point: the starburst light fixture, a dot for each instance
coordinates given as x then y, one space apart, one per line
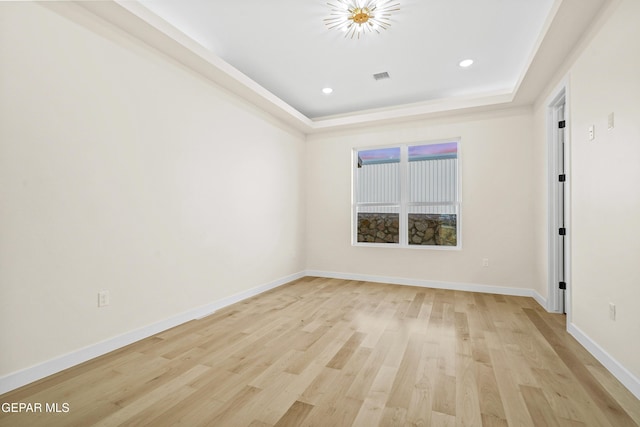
355 17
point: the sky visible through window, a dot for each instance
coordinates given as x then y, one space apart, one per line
446 150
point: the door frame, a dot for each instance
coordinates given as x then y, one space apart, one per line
555 301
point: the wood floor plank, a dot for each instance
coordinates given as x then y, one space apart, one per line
319 352
419 412
341 415
623 396
321 385
600 396
404 382
159 397
373 406
233 406
491 406
393 417
442 420
416 306
323 350
342 356
444 401
295 415
539 408
467 398
362 384
515 408
566 401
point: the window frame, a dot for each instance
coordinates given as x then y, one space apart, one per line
404 203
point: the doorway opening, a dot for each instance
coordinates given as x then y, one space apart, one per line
558 181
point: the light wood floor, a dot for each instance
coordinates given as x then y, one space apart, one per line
329 352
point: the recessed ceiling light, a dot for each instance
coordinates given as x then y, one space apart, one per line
466 63
327 90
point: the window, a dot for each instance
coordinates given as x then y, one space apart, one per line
407 195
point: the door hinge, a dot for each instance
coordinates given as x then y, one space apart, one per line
562 231
562 178
562 124
562 285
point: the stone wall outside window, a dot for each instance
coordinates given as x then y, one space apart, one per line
424 229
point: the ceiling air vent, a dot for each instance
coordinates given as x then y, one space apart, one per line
381 76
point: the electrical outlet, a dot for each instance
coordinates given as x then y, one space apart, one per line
103 298
485 262
610 121
592 132
612 311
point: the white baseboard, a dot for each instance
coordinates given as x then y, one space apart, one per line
469 287
42 370
50 367
629 380
540 299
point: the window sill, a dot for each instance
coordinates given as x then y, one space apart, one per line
399 246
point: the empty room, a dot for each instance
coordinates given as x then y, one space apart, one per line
320 213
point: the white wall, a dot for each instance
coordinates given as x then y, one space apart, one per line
122 170
539 198
602 76
605 187
497 213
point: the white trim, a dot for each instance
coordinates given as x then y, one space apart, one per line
404 203
28 375
630 381
539 299
560 95
468 287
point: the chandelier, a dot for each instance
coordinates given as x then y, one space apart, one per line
355 17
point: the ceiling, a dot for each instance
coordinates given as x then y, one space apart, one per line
279 54
285 46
